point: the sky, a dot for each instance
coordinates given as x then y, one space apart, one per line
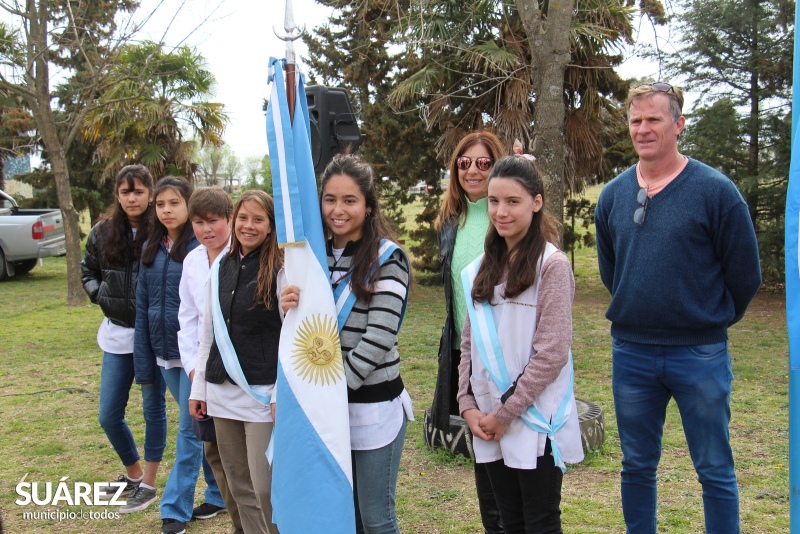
237 42
238 39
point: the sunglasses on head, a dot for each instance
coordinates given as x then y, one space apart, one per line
482 163
660 86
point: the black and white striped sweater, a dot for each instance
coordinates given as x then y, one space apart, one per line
369 336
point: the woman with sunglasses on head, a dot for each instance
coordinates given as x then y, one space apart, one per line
110 269
461 228
364 260
516 377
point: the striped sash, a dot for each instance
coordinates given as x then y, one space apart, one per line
343 294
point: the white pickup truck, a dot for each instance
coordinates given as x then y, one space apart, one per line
27 235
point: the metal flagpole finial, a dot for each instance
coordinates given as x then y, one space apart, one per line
293 32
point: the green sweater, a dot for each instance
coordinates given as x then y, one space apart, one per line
469 245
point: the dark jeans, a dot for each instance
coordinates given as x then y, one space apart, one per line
529 499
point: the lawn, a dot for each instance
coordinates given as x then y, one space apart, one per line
49 382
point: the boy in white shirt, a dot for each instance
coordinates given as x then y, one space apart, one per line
210 210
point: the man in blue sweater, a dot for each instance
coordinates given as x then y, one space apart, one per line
678 253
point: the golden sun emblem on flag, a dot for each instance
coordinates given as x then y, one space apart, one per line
317 353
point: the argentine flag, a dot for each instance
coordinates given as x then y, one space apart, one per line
792 258
312 481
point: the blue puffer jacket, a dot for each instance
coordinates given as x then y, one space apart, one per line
157 300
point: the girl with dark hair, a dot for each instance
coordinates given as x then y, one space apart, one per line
365 261
110 269
461 229
237 361
516 377
157 355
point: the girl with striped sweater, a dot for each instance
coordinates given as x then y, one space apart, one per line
362 253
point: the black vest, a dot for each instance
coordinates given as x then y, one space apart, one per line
254 330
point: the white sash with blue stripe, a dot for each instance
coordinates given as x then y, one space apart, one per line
343 294
223 339
541 417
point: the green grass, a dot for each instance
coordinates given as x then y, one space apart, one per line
49 381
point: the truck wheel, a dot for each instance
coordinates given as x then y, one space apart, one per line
24 267
3 270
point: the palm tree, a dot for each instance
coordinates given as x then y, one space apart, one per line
479 71
154 97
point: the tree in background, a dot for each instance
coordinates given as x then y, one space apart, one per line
16 124
81 40
209 163
259 173
232 168
136 124
484 67
738 54
357 50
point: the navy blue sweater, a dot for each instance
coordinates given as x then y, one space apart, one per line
689 271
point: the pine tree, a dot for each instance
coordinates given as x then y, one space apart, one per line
738 54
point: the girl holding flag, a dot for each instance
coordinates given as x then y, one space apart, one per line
370 278
515 376
238 357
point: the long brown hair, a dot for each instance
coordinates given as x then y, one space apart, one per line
376 226
117 249
520 264
270 259
455 206
178 251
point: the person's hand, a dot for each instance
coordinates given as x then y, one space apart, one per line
290 296
492 427
197 409
473 418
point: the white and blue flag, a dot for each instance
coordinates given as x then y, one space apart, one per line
792 258
312 482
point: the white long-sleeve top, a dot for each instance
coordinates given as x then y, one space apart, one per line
192 291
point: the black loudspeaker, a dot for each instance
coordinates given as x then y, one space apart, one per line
333 124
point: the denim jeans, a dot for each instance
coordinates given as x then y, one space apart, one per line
529 500
116 379
698 377
375 484
177 499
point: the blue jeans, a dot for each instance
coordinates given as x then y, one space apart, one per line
116 379
698 377
177 500
375 484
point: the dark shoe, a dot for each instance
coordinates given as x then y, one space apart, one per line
130 487
207 511
140 499
172 526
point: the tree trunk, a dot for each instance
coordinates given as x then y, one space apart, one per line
39 81
548 38
753 126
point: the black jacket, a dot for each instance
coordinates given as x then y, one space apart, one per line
444 400
113 287
254 330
